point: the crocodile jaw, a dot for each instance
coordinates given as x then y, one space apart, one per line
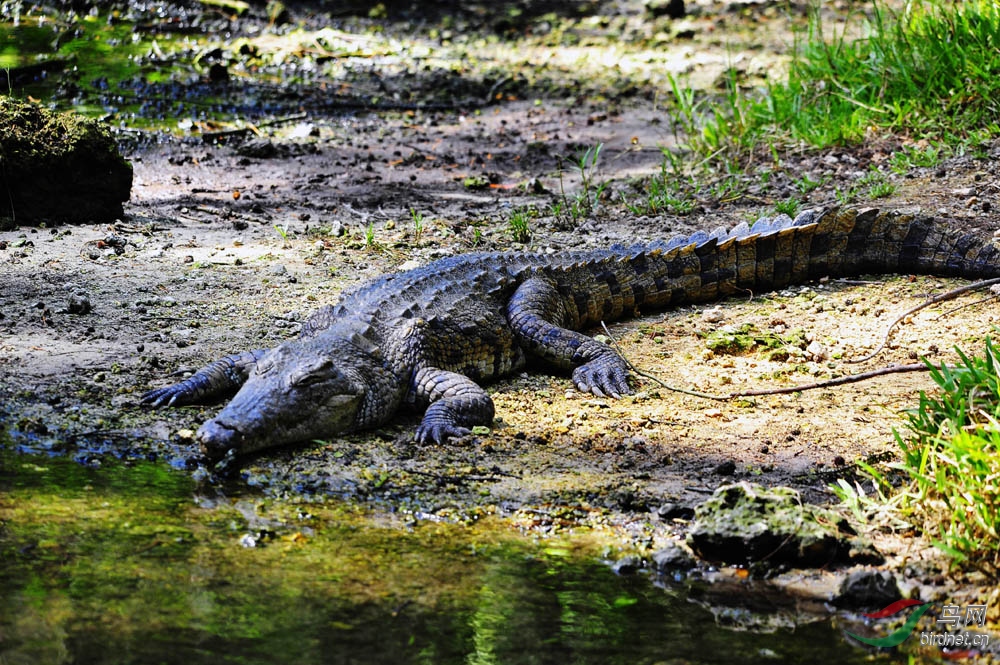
244 427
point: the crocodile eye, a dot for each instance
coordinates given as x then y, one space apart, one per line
311 375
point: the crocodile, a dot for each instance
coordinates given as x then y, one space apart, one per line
428 337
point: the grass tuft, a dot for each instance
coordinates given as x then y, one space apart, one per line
930 70
951 455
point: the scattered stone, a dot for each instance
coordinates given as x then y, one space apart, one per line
726 468
303 130
744 523
669 8
410 265
628 565
867 588
671 510
279 269
79 303
261 148
671 558
963 192
58 167
713 315
816 352
248 540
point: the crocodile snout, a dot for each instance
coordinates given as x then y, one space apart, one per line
217 439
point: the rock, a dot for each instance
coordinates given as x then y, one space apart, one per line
816 351
261 148
744 523
671 558
58 168
671 8
671 510
726 468
79 303
713 315
868 588
628 565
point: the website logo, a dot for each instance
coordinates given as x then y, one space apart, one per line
951 616
898 636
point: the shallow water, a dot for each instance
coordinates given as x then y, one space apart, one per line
135 563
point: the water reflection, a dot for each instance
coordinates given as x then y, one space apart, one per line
120 565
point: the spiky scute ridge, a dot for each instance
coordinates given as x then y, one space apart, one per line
441 328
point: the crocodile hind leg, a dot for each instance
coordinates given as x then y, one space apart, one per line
457 403
535 312
219 378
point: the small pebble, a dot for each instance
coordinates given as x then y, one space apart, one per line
714 315
816 351
726 468
79 303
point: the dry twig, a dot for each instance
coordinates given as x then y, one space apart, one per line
839 381
947 295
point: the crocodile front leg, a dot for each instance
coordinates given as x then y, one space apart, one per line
457 403
219 378
535 312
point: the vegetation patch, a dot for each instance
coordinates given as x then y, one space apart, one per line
951 463
749 524
839 89
748 337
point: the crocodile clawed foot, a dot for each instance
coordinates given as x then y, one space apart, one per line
166 396
439 433
604 378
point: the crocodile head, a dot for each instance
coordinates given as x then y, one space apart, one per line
300 391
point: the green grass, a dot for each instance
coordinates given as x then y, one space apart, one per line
951 459
872 185
585 202
418 224
932 71
910 157
788 207
519 226
660 194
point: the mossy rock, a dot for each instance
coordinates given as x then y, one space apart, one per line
750 524
58 167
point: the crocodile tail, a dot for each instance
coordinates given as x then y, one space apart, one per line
848 241
774 253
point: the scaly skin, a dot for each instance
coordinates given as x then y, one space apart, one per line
430 335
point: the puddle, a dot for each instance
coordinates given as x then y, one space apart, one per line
136 563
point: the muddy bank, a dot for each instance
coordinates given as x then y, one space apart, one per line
220 252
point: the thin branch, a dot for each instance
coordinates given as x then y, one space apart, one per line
947 295
839 381
969 304
829 383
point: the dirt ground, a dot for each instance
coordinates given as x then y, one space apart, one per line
230 246
221 252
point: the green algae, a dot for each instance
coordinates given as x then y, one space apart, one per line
772 526
58 167
748 337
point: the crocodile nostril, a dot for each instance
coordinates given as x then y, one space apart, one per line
218 438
